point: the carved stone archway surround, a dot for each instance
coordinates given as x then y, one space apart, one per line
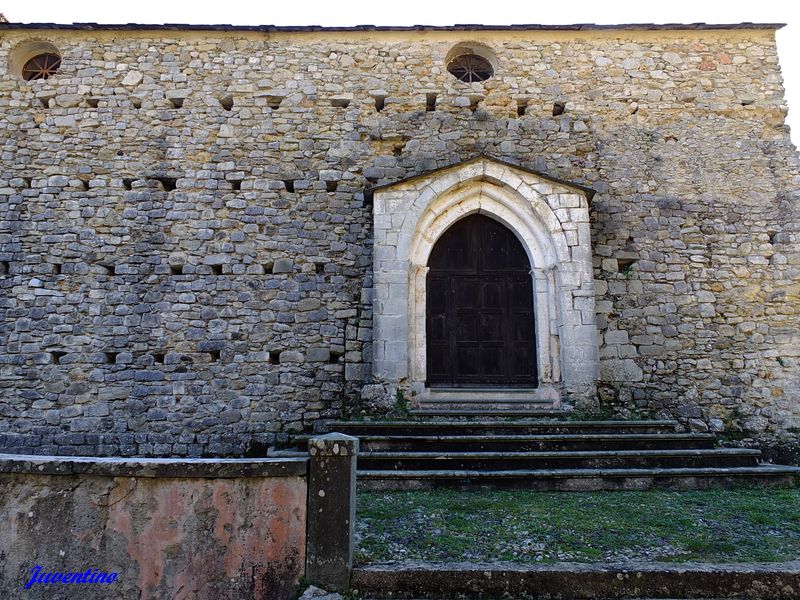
551 220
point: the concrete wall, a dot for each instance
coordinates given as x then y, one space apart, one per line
190 529
229 311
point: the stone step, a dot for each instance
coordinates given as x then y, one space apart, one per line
580 479
485 399
534 443
496 427
631 580
487 407
489 411
486 394
508 461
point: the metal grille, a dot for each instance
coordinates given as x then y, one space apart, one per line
41 66
470 67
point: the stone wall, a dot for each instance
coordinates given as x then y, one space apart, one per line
188 528
186 241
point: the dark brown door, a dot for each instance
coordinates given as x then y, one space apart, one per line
480 327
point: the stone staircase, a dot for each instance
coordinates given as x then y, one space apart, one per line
481 402
540 449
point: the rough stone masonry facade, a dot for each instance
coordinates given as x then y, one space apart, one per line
187 228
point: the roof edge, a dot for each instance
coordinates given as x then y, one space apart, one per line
590 192
388 28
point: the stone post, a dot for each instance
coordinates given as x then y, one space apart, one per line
331 510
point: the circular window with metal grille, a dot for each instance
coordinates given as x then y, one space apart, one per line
41 66
470 67
34 59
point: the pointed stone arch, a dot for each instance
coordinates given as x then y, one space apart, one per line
550 219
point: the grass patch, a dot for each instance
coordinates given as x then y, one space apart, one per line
743 525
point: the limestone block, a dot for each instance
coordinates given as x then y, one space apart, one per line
610 265
389 370
283 265
132 78
318 354
614 336
625 370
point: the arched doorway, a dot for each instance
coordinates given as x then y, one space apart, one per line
479 313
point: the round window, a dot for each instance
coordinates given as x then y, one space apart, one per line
41 66
471 61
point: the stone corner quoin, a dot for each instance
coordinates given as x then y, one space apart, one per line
210 240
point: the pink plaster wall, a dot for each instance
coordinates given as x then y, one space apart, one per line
170 538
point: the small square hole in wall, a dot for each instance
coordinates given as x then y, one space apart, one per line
559 108
625 265
45 102
368 199
236 185
380 103
319 268
226 102
127 183
330 186
274 357
85 185
289 185
28 181
5 267
176 269
334 357
268 267
474 102
214 355
92 102
109 269
167 183
111 357
176 102
274 102
158 358
522 107
136 103
216 269
340 102
430 102
57 356
56 268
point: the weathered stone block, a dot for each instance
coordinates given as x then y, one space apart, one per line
620 370
332 501
283 265
318 355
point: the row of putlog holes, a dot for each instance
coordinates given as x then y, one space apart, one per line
274 102
170 184
175 269
226 102
474 104
214 356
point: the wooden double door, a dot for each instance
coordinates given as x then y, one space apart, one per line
479 314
